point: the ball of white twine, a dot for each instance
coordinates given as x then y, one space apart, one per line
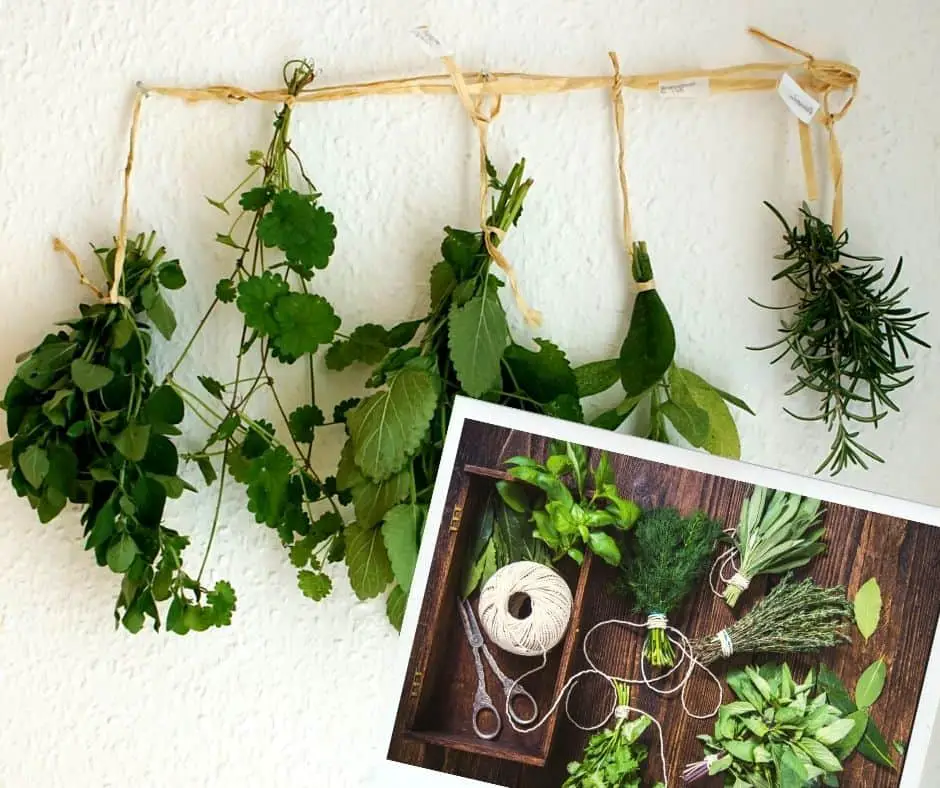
544 626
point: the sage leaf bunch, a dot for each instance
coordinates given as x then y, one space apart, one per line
777 531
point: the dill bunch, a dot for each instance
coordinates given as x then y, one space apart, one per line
847 336
669 553
793 617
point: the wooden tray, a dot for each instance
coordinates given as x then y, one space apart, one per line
438 695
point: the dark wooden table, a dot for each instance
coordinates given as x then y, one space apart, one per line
904 556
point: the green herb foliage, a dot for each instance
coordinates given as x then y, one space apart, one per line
793 617
777 734
669 553
570 522
846 336
89 426
614 757
777 531
647 371
868 607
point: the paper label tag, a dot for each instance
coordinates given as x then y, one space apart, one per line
697 87
798 101
431 43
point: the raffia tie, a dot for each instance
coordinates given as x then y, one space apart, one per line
822 78
481 121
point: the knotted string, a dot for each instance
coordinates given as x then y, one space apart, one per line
728 559
822 78
481 120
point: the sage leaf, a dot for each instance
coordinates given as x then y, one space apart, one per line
370 571
395 607
90 377
868 608
400 532
388 427
871 684
478 335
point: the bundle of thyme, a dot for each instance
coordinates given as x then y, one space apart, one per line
846 335
670 552
793 617
774 535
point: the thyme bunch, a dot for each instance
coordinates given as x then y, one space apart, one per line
847 337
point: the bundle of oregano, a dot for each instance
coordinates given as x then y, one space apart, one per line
567 524
793 617
778 734
846 336
669 553
613 758
777 531
89 426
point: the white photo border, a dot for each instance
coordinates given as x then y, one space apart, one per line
394 774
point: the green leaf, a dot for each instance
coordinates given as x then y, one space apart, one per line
44 363
304 322
122 332
736 401
834 732
225 291
400 532
874 747
90 377
6 455
121 554
314 585
370 571
460 248
513 496
395 607
871 684
868 608
371 500
303 231
367 344
207 469
597 376
257 198
303 421
220 206
793 772
34 463
165 406
604 546
171 275
847 745
687 388
443 282
544 375
221 604
388 427
161 316
226 240
132 441
478 335
256 298
403 333
835 690
268 483
691 422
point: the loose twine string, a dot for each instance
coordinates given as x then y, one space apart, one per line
818 77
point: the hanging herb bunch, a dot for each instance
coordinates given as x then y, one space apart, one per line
792 618
647 372
777 531
848 336
89 426
668 553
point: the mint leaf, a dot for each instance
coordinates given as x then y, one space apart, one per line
544 375
314 585
368 344
460 248
369 569
90 377
443 281
400 532
478 335
395 607
388 427
257 296
372 500
303 231
304 322
303 421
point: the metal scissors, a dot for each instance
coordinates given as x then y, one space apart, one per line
482 701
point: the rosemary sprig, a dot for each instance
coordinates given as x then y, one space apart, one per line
847 335
793 617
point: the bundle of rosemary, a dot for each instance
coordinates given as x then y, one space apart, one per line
774 534
793 617
846 334
669 553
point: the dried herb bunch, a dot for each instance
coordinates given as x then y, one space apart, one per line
847 337
793 617
669 553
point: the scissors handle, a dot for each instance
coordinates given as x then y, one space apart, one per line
514 691
483 703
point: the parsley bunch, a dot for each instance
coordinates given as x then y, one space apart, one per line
89 426
845 337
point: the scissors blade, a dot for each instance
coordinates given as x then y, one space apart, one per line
472 622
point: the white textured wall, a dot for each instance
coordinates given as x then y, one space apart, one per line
286 696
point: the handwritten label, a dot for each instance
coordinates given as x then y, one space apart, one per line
798 101
431 43
697 87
